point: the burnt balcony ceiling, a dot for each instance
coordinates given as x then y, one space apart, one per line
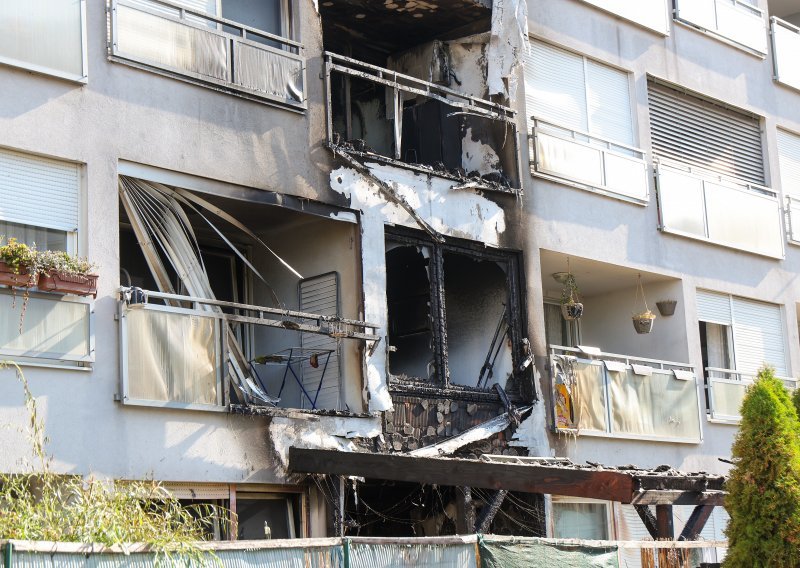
372 29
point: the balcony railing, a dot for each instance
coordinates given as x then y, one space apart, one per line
588 161
793 219
206 49
705 206
734 20
53 328
604 394
183 352
726 389
785 47
652 14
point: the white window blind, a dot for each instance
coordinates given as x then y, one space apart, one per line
699 132
320 295
758 336
39 191
577 93
789 157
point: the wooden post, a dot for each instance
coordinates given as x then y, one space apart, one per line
465 511
664 524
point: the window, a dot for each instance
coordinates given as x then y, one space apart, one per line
789 158
239 45
559 331
47 36
652 14
737 337
582 125
738 21
28 181
451 309
710 172
581 519
53 327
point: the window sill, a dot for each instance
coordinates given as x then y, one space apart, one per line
45 71
59 365
125 401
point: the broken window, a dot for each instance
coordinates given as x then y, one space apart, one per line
213 315
455 314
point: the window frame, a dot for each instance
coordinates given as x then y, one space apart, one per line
551 501
42 70
438 313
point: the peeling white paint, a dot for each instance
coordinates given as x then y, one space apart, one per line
531 433
478 156
460 214
320 433
509 39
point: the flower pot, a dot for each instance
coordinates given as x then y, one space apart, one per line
643 323
62 283
666 307
10 278
572 310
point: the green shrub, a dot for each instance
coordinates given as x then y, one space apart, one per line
42 505
764 486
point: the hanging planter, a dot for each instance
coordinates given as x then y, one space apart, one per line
643 319
571 308
666 307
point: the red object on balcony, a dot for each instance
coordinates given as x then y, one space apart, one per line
77 284
10 278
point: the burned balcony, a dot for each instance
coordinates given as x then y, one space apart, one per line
206 48
214 314
376 114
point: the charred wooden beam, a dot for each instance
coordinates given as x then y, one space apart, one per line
665 528
490 510
697 520
465 511
670 497
602 484
648 518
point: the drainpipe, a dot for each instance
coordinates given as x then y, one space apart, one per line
8 552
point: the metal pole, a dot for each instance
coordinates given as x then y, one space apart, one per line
8 553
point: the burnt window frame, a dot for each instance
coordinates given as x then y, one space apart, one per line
438 309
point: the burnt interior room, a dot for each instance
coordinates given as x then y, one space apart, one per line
372 31
451 316
389 508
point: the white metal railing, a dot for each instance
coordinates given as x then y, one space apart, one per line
735 20
734 213
176 351
785 47
51 327
597 163
652 14
726 389
204 48
606 394
793 218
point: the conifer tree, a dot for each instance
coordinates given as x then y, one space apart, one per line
764 486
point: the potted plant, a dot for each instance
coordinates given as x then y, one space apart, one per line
64 273
16 260
642 319
571 308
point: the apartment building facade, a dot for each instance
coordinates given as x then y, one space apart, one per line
345 226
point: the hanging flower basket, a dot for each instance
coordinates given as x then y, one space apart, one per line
63 283
20 279
572 310
643 322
